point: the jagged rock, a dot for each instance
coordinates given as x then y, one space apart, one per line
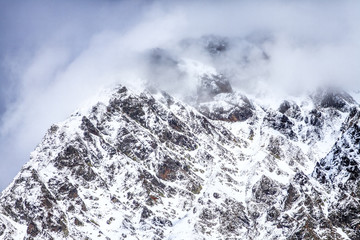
281 123
212 85
333 98
147 166
266 190
290 109
339 172
218 102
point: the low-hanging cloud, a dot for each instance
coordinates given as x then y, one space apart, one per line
55 55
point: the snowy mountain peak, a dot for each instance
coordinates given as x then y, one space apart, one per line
146 165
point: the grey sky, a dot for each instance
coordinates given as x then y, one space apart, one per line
56 54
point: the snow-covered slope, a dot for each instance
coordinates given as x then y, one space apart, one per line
146 166
218 165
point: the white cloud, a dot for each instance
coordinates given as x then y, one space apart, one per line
58 53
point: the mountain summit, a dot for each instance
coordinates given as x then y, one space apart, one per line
147 166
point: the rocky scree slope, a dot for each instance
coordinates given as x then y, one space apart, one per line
146 166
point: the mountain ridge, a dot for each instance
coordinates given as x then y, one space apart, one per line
146 165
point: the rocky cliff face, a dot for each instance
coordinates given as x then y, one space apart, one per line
146 166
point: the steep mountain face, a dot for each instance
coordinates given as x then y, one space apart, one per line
221 165
339 173
146 166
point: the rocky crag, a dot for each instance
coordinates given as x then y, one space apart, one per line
147 166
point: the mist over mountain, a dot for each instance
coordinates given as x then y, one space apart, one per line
241 111
55 55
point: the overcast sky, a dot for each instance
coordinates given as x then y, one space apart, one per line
54 55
